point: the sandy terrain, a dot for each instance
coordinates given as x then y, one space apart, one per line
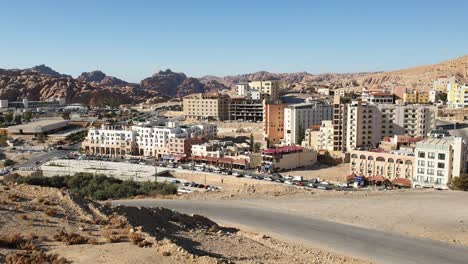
334 174
120 234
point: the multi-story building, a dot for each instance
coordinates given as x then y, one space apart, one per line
368 124
268 90
340 113
311 138
289 157
440 84
210 106
438 160
377 97
323 91
299 117
399 91
377 162
244 109
433 94
416 97
325 140
154 139
457 95
273 122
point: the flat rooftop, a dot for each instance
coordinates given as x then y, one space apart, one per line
41 125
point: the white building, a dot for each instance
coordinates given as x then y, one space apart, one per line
433 96
438 160
299 117
147 139
325 140
323 91
259 90
367 124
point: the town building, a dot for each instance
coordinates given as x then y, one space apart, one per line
273 122
289 157
208 106
324 91
41 126
377 97
244 109
158 139
457 95
416 97
299 117
439 160
225 154
399 91
367 124
433 94
340 113
325 140
377 162
25 103
311 138
441 83
259 90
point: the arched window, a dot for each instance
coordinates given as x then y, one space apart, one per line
370 158
399 161
354 156
390 160
362 157
380 159
408 162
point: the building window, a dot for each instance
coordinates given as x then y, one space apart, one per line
430 164
421 154
441 165
431 155
421 163
441 156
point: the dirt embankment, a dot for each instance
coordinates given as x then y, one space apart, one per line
60 227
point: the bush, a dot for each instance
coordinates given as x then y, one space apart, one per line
70 238
33 256
459 183
101 187
8 163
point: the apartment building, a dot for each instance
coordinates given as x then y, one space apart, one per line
440 84
416 97
268 90
433 94
457 95
153 139
209 106
25 103
377 162
299 117
245 109
340 114
367 124
325 140
438 160
273 122
324 91
311 138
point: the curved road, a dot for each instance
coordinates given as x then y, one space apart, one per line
378 246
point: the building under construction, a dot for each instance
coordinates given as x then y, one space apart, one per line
242 109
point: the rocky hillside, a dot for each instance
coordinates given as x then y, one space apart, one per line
418 77
101 78
96 88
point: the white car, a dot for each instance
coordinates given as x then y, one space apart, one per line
235 174
289 182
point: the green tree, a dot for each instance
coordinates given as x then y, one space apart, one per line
18 119
27 116
8 163
459 183
66 115
257 146
251 143
442 97
9 117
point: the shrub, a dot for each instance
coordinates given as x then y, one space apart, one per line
11 241
101 187
8 163
34 256
70 238
459 183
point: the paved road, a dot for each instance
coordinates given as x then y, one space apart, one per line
381 247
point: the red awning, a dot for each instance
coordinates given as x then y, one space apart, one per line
377 178
402 182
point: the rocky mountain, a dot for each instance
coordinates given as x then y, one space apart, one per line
101 78
45 70
418 77
96 88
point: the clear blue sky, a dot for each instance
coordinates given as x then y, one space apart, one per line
133 39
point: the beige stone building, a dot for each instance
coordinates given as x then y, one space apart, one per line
268 90
389 165
213 106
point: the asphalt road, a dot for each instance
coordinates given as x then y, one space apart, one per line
378 246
